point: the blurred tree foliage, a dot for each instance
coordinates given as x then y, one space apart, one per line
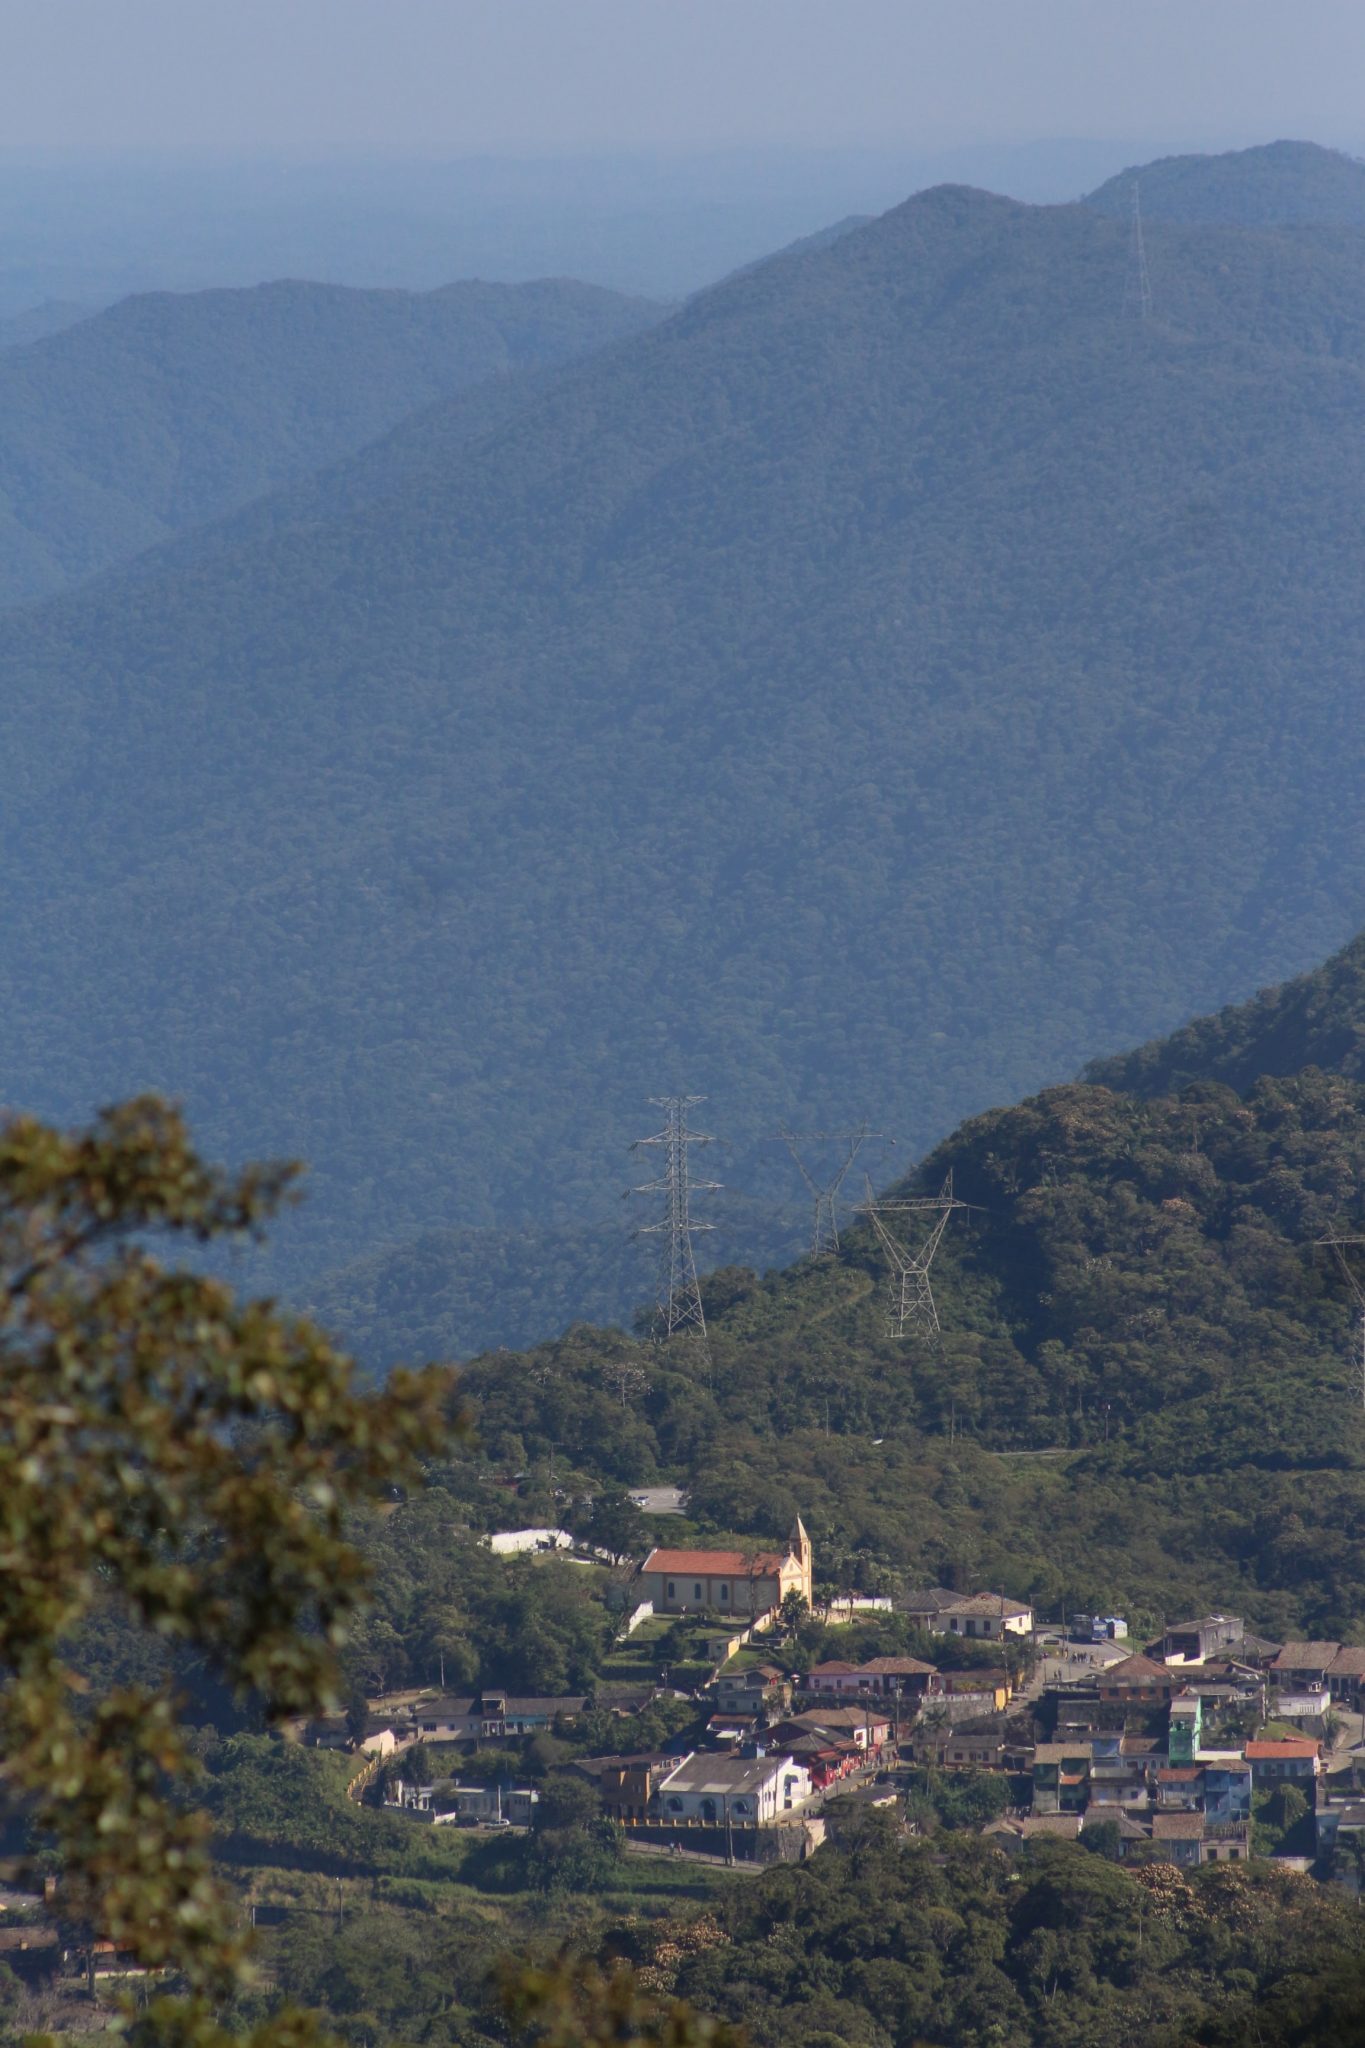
188 1459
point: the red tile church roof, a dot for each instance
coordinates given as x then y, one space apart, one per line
714 1564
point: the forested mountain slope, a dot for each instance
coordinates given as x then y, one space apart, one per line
167 410
1279 184
1135 1291
1318 1020
893 677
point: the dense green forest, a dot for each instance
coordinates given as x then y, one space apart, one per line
1143 1393
433 1296
450 1293
1280 184
169 410
1317 1020
887 683
878 1942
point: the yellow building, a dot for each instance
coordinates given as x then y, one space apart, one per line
726 1581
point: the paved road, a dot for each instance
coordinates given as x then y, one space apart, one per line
659 1500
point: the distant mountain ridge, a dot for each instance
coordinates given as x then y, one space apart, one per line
896 674
1278 184
167 411
36 323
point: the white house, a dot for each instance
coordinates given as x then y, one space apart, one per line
381 1738
986 1616
745 1791
515 1542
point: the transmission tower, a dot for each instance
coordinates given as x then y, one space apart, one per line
824 1235
912 1298
1342 1246
1137 293
679 1302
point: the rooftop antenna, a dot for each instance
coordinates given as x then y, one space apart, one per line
824 1236
1341 1246
679 1306
1138 291
913 1309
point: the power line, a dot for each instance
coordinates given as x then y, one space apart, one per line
824 1235
912 1298
1137 291
1341 1246
679 1297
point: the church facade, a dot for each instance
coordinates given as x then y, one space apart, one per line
727 1581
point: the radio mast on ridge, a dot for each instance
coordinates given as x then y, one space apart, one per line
679 1300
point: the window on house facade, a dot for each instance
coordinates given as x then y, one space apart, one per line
724 1594
672 1589
696 1592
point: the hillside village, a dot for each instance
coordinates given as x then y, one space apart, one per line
1208 1744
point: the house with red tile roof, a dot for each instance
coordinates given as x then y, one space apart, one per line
1285 1759
727 1581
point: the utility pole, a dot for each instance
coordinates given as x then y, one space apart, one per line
678 1309
912 1305
825 1194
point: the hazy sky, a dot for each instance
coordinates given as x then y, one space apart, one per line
460 76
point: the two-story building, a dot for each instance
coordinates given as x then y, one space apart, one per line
733 1791
1179 1837
1346 1676
984 1617
1227 1787
886 1677
1193 1642
1061 1777
1121 1776
1139 1681
1186 1727
1300 1666
749 1690
1284 1760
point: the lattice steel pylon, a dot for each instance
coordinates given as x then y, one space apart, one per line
824 1235
912 1298
679 1306
1341 1246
